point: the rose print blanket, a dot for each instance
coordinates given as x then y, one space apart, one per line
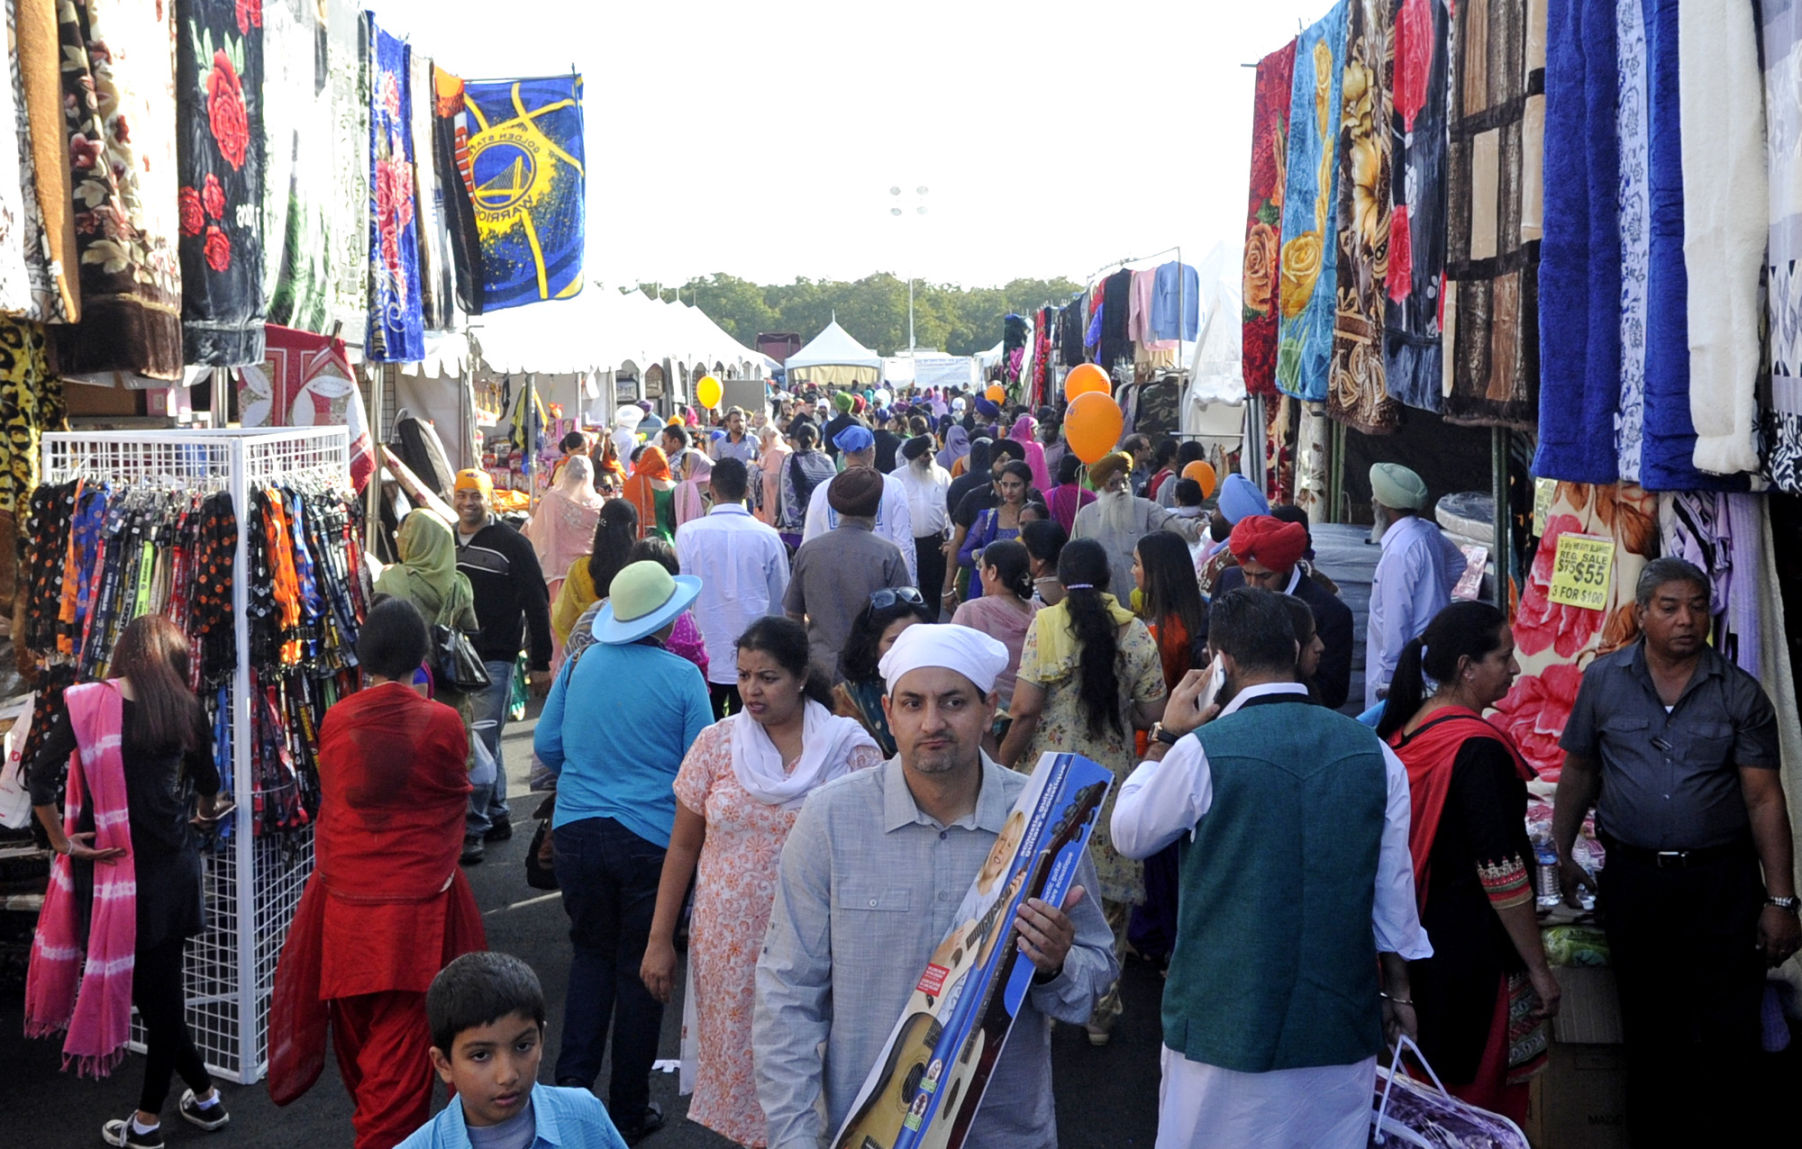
1309 271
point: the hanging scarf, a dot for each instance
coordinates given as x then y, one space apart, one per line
88 991
826 742
1428 753
427 574
1058 647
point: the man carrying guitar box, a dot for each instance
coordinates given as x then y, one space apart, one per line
872 877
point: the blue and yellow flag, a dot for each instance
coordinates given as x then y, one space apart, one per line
523 170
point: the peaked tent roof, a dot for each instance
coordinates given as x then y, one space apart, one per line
834 357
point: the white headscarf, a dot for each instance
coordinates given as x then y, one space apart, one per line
826 744
969 651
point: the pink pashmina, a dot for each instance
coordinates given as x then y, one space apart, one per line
93 1002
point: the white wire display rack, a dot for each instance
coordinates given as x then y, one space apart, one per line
253 883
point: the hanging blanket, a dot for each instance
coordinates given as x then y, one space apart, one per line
450 148
297 120
31 402
1412 359
219 154
1554 643
1496 126
1580 281
306 380
396 320
1724 225
1667 461
1781 418
1309 270
1357 395
1264 216
48 196
526 180
1632 129
119 92
347 65
16 234
438 302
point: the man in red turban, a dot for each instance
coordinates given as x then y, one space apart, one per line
1269 551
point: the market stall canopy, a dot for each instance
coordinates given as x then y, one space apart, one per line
988 359
834 357
601 329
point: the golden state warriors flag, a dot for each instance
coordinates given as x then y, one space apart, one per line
523 169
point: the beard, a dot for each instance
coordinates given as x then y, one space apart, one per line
1116 513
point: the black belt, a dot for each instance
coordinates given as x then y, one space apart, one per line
1679 859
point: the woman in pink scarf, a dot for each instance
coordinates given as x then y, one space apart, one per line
563 526
1024 432
694 494
772 453
125 891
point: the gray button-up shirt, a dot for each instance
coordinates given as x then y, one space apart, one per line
869 887
1670 781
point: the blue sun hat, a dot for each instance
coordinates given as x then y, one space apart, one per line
644 599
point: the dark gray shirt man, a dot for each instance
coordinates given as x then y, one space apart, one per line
834 576
1670 780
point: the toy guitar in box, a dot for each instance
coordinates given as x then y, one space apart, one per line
924 1090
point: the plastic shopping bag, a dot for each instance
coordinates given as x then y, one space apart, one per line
1406 1112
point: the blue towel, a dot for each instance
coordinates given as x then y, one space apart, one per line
1668 451
1310 266
1580 256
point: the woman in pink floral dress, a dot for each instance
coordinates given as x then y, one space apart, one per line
737 795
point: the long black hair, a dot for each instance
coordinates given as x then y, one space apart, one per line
1012 564
614 533
1170 586
153 653
785 640
1083 569
857 662
1462 630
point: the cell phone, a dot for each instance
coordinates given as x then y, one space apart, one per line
1216 682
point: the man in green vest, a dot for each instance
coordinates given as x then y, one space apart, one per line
1297 888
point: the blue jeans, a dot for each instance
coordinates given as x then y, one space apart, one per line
488 804
609 878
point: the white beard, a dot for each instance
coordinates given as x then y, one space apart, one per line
1116 511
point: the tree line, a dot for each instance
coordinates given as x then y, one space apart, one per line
947 317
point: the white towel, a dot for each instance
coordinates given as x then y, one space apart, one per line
1725 218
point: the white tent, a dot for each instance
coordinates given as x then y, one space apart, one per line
834 357
601 329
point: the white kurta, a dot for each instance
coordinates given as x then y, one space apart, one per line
1203 1106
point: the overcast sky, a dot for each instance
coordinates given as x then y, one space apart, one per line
1053 137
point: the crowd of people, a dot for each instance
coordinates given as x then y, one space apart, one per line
795 668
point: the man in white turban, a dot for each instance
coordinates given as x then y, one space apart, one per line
872 876
1415 574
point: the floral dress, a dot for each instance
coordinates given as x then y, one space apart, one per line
1063 728
735 885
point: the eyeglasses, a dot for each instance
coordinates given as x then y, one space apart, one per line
889 596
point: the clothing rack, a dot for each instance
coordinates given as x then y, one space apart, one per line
251 882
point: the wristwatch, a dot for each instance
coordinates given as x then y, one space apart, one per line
1790 904
1169 738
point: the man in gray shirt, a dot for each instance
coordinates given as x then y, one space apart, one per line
872 877
1676 747
835 574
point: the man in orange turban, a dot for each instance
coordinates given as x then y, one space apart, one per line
1269 552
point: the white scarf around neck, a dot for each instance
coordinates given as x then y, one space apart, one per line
826 741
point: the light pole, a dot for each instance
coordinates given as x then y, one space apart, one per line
918 201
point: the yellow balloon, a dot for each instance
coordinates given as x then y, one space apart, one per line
708 391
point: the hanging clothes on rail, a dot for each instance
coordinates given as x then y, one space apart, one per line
1310 270
1356 394
1116 313
1413 358
1495 195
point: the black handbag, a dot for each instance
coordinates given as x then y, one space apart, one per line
455 661
541 875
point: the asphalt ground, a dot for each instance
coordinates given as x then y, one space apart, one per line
1106 1097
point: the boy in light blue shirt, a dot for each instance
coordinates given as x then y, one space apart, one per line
486 1011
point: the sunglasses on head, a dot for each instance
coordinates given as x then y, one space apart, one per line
889 596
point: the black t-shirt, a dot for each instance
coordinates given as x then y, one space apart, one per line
887 443
976 498
154 779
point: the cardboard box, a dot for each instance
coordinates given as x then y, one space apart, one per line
1580 1100
1590 1011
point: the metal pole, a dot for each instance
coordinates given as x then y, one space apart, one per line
1498 491
910 315
244 836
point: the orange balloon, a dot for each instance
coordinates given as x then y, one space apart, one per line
1202 472
1084 379
1092 426
996 393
